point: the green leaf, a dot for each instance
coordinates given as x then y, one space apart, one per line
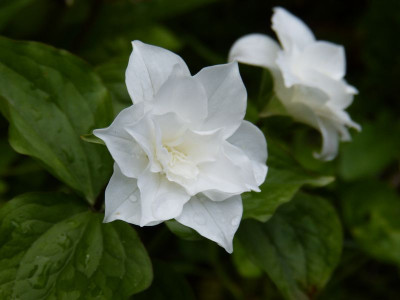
371 150
52 247
298 248
113 75
183 231
51 98
371 210
243 264
285 177
168 284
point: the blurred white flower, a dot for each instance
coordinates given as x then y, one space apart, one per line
308 77
183 150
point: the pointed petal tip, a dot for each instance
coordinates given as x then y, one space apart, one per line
324 157
228 248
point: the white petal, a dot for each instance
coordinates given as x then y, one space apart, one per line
303 113
231 173
200 146
124 149
122 199
337 91
326 58
343 118
143 132
217 221
170 126
255 49
314 98
292 32
148 68
183 95
252 142
226 97
287 65
330 140
160 199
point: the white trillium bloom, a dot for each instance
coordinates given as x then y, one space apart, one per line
308 77
183 150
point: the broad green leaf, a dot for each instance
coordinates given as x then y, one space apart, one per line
298 247
113 75
371 150
52 247
51 98
371 210
8 8
168 284
243 264
285 177
7 156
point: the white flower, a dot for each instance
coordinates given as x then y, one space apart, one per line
183 150
308 77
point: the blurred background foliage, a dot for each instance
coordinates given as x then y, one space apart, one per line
366 190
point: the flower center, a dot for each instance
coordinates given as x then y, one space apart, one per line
177 164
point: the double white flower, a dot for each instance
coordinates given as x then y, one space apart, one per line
183 150
308 77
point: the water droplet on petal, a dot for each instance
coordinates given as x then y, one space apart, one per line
200 219
133 198
235 221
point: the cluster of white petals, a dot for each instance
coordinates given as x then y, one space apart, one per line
308 77
183 151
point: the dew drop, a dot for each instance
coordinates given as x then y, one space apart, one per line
199 219
133 198
87 260
64 241
235 221
39 275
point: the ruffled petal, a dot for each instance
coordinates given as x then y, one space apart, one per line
330 140
324 57
148 68
200 146
231 173
122 199
226 97
160 198
252 142
339 92
217 221
255 49
184 96
123 148
143 132
292 32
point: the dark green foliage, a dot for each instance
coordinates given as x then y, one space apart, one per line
290 244
52 247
